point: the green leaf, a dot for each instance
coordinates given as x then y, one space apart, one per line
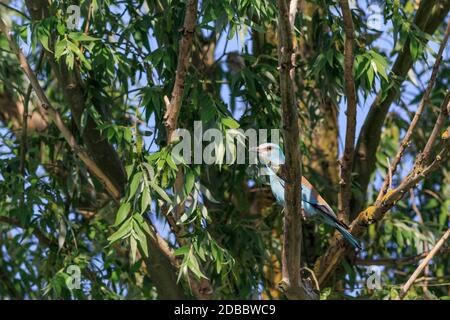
43 36
189 182
193 265
123 232
133 249
145 199
61 28
79 36
149 169
230 123
141 238
170 162
122 213
60 49
329 57
361 66
160 191
181 251
205 191
370 76
135 182
381 70
414 48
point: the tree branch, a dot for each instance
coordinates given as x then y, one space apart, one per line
422 265
291 282
347 158
442 117
405 142
174 104
184 54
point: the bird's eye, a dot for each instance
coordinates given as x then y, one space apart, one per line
269 148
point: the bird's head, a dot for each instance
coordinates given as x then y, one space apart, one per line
269 154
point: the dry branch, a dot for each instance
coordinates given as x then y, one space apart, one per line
174 104
442 118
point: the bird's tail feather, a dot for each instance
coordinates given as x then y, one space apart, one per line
347 235
331 219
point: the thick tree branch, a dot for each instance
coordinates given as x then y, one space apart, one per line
422 265
428 17
405 142
347 158
291 256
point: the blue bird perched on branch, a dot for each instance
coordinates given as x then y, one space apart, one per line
313 205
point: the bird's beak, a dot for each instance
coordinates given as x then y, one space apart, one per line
254 149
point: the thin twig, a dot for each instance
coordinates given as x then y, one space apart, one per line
389 173
347 158
422 265
442 118
422 222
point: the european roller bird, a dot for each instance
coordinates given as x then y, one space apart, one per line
313 205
